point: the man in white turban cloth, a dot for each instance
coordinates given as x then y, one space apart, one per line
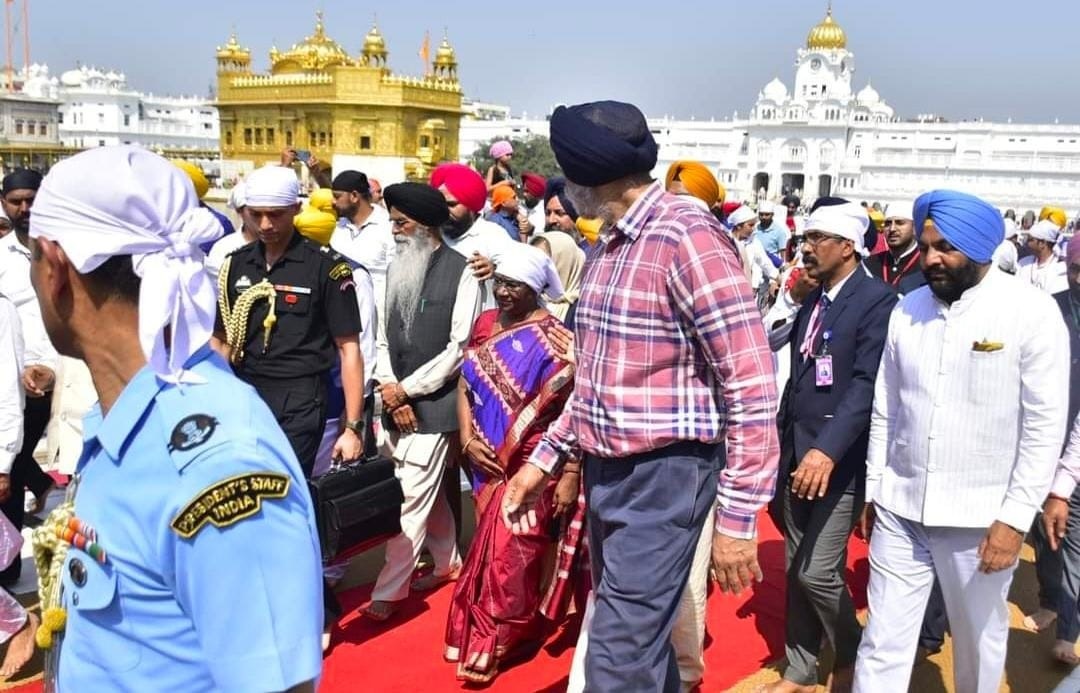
1043 268
192 561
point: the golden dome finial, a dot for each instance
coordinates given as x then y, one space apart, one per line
232 48
828 34
374 52
314 53
320 30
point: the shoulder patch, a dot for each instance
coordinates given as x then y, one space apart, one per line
191 432
340 271
230 501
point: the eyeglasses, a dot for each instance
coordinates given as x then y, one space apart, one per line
509 284
813 238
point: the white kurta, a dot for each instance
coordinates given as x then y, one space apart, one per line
1051 276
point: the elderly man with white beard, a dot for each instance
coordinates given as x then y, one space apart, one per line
432 300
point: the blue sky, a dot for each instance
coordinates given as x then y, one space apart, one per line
958 58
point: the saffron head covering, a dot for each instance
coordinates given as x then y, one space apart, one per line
600 142
21 179
500 149
198 178
971 225
1045 230
1072 250
524 263
589 228
146 208
419 202
315 224
556 187
1055 214
534 184
501 195
322 199
272 186
465 184
847 220
696 178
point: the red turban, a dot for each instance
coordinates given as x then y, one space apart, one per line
534 184
464 184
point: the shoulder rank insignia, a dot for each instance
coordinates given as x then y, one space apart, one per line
191 432
229 501
340 271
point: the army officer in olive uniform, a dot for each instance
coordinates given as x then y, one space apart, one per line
287 310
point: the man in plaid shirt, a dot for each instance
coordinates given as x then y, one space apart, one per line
674 403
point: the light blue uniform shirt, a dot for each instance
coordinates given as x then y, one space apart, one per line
237 604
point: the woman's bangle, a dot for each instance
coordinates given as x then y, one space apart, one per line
468 442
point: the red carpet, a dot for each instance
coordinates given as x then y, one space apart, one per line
744 634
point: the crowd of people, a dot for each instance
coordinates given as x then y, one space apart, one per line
628 372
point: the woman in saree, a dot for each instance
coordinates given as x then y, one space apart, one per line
515 380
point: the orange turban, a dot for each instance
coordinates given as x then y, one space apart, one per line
501 195
1054 214
697 179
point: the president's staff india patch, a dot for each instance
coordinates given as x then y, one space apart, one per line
229 501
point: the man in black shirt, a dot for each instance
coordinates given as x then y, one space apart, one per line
287 309
899 265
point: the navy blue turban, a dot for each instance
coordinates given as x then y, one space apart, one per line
969 224
21 179
556 187
597 143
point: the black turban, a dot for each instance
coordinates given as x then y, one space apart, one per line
791 200
351 181
21 179
422 203
596 143
556 187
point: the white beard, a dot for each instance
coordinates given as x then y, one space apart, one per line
405 275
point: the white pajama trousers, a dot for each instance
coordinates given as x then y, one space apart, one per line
904 558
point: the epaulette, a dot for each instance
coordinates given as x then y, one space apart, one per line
234 251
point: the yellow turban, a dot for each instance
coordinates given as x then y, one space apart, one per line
315 224
1054 214
589 228
198 178
322 199
697 179
876 216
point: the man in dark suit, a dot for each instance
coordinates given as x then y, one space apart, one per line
836 344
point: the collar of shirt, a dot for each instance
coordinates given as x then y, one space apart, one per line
112 431
378 215
292 251
897 259
838 286
641 212
12 245
971 295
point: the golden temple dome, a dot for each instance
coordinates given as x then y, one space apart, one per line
315 52
232 50
827 34
445 54
374 52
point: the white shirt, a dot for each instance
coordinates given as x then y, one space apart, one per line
439 370
369 320
370 244
962 436
538 218
762 268
15 284
11 389
73 397
1005 256
220 250
1068 471
1051 276
490 240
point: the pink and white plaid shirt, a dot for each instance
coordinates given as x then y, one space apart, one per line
671 348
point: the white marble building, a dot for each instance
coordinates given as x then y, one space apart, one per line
98 108
825 137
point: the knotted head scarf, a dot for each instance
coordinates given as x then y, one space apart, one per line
971 225
597 143
524 263
144 207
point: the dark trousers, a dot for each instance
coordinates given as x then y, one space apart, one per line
26 473
645 514
1058 571
818 602
299 405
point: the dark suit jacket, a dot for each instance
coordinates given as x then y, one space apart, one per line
910 279
1062 299
836 419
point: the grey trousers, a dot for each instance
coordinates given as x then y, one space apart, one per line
818 602
1059 571
645 515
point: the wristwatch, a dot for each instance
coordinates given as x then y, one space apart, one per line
356 427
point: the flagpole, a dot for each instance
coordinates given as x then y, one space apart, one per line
26 36
7 30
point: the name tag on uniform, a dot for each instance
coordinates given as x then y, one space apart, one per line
285 288
823 372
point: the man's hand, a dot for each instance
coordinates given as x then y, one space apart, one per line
288 156
38 379
482 267
1000 548
5 487
803 286
392 395
405 419
734 563
566 492
519 501
349 447
866 522
563 341
811 478
1054 517
482 457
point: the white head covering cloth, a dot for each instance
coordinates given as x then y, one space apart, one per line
1045 230
847 220
740 215
901 210
1011 229
272 186
525 263
238 196
145 207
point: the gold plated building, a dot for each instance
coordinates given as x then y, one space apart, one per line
349 109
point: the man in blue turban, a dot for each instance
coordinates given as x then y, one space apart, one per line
969 413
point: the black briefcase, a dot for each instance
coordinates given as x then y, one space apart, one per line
357 507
